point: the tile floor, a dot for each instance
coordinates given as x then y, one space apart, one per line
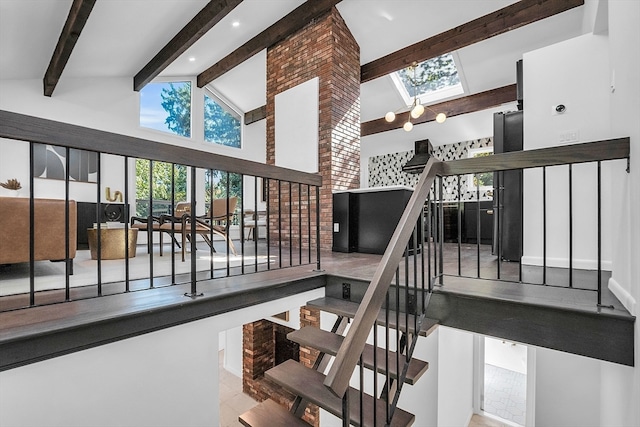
233 401
505 393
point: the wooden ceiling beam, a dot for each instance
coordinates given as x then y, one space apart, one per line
506 19
455 107
209 16
77 18
289 24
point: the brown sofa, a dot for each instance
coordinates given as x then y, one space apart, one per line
49 221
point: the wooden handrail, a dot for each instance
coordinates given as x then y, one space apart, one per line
338 377
36 129
610 149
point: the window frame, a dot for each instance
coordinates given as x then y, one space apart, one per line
177 79
436 95
227 106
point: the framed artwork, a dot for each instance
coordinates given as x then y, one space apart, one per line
49 161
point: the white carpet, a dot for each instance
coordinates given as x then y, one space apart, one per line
14 279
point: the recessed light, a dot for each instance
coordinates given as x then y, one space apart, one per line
235 24
192 59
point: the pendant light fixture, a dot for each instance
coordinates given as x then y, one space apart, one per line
416 109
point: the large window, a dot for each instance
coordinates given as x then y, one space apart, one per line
432 80
221 123
161 186
166 106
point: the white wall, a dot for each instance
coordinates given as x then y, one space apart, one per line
620 392
164 378
567 390
233 351
574 73
455 377
108 104
296 127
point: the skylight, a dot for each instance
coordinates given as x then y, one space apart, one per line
432 80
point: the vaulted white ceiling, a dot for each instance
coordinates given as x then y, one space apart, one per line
121 36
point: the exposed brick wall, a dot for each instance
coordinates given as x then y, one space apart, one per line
310 317
325 49
258 356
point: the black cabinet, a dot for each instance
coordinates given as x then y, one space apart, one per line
508 137
345 231
364 220
472 218
109 212
466 223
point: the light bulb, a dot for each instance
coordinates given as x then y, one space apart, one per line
441 117
417 111
390 116
408 126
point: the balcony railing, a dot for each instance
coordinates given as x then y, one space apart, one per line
417 265
104 252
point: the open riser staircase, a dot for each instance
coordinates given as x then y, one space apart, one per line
399 309
333 392
308 383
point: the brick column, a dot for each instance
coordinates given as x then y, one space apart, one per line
310 317
257 356
325 49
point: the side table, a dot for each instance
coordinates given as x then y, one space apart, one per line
112 242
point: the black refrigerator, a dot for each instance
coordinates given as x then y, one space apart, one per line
507 188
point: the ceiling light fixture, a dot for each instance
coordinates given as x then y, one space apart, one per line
192 59
235 24
416 109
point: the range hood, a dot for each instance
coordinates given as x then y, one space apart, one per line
423 151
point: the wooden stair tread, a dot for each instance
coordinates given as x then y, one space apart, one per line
309 384
347 308
270 414
329 343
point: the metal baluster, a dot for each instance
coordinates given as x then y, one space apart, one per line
127 270
99 221
599 233
267 189
211 264
279 224
478 234
362 391
570 227
459 227
290 225
309 219
32 273
256 230
441 242
318 268
67 284
173 225
299 224
227 225
149 225
346 420
386 361
544 225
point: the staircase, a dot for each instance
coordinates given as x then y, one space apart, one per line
308 384
392 359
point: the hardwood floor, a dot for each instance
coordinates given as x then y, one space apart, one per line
88 322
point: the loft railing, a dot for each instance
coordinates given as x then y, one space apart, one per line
412 240
284 221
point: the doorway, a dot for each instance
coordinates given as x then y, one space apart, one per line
503 393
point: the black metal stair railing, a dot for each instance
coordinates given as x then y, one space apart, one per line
428 199
289 199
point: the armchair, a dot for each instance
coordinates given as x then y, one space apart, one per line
152 223
217 221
